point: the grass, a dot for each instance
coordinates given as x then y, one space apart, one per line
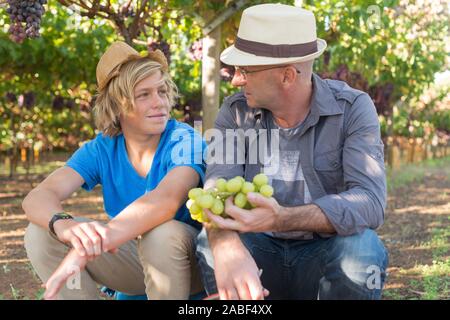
6 268
416 172
435 282
430 282
38 168
40 294
15 292
47 163
440 242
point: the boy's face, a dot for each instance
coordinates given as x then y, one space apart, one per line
152 107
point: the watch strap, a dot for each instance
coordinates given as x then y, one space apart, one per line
56 217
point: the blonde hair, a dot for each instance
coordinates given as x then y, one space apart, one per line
117 97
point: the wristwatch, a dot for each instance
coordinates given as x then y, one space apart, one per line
56 217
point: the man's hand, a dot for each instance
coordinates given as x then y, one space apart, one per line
89 239
260 219
237 275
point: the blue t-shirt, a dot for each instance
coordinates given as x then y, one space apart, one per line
104 160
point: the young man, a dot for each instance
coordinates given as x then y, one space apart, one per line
315 237
145 180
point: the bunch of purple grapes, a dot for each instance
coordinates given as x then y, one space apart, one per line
163 46
196 50
25 16
127 11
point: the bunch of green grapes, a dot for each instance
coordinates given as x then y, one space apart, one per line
214 198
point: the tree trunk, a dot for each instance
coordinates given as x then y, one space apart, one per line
211 78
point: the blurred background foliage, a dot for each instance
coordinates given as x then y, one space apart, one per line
389 48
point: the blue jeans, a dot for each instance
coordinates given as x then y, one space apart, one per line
351 267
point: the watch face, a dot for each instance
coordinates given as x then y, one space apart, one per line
63 215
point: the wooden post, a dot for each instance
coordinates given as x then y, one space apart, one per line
211 63
211 77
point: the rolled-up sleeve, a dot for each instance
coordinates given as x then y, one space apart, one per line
363 203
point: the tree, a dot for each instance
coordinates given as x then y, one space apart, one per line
46 84
390 48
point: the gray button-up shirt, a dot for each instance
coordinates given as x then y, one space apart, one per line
341 153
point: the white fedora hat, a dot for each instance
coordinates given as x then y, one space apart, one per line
274 34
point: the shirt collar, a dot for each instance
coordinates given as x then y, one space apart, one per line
323 101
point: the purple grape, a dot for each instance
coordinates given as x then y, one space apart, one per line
25 17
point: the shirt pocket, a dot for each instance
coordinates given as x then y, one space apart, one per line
328 167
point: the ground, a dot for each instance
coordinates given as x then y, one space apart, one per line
416 232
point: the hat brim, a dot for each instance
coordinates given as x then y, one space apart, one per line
235 57
156 55
102 84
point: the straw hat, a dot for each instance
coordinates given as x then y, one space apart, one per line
274 34
116 55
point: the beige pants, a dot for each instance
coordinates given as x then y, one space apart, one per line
161 264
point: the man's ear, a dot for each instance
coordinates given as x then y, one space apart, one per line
289 75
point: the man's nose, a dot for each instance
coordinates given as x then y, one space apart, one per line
238 79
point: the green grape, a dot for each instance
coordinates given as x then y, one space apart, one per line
196 217
240 178
234 185
260 179
217 207
248 206
224 195
248 187
221 185
200 218
189 203
266 191
194 193
240 200
210 191
203 217
195 214
205 201
195 209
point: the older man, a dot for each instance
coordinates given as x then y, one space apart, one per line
315 238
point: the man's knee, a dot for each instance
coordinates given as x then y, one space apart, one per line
360 257
355 267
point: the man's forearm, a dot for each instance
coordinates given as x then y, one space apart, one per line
304 218
218 237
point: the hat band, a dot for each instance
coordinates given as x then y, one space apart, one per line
276 50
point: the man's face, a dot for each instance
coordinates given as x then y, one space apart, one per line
258 83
